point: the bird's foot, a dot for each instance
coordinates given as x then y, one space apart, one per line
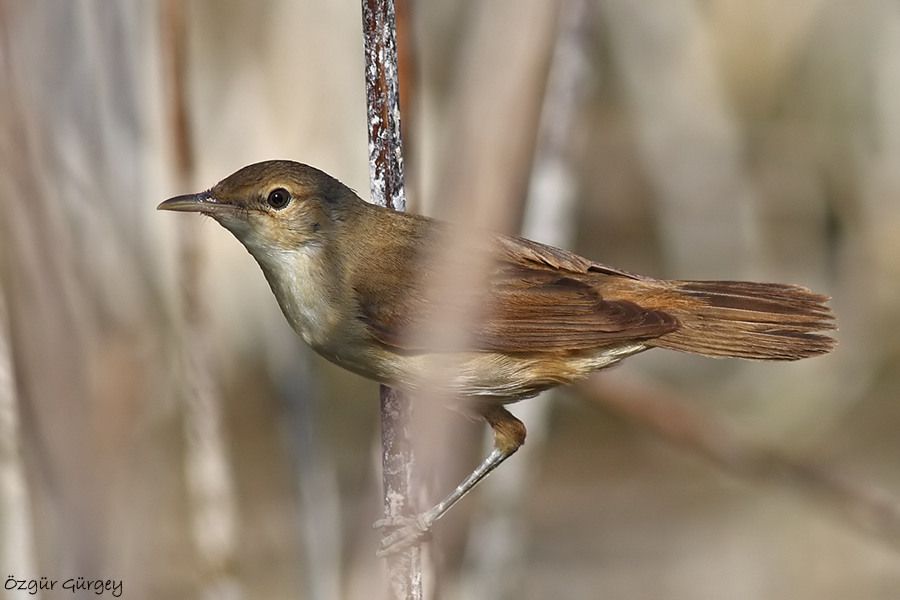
401 532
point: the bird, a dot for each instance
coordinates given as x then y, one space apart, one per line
352 279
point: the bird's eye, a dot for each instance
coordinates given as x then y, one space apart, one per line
278 198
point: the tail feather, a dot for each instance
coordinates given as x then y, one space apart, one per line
764 321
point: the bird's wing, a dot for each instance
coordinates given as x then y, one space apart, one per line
538 299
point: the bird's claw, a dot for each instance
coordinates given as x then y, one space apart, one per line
405 531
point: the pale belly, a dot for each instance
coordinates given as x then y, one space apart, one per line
507 378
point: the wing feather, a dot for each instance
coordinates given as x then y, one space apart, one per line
538 299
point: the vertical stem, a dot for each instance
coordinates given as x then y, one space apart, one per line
386 179
404 568
383 102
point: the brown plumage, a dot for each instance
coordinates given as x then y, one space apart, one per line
356 281
542 299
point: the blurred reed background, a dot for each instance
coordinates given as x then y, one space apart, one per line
160 423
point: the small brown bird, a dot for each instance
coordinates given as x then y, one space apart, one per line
352 277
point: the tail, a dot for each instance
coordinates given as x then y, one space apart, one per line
763 321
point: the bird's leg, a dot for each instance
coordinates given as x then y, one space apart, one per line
509 434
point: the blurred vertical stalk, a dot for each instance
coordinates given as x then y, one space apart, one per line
408 73
17 551
386 179
17 548
497 544
207 472
313 463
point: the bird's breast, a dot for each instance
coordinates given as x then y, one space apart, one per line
306 296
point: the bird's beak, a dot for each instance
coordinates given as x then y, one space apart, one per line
202 202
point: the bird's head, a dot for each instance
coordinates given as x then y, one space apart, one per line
274 206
